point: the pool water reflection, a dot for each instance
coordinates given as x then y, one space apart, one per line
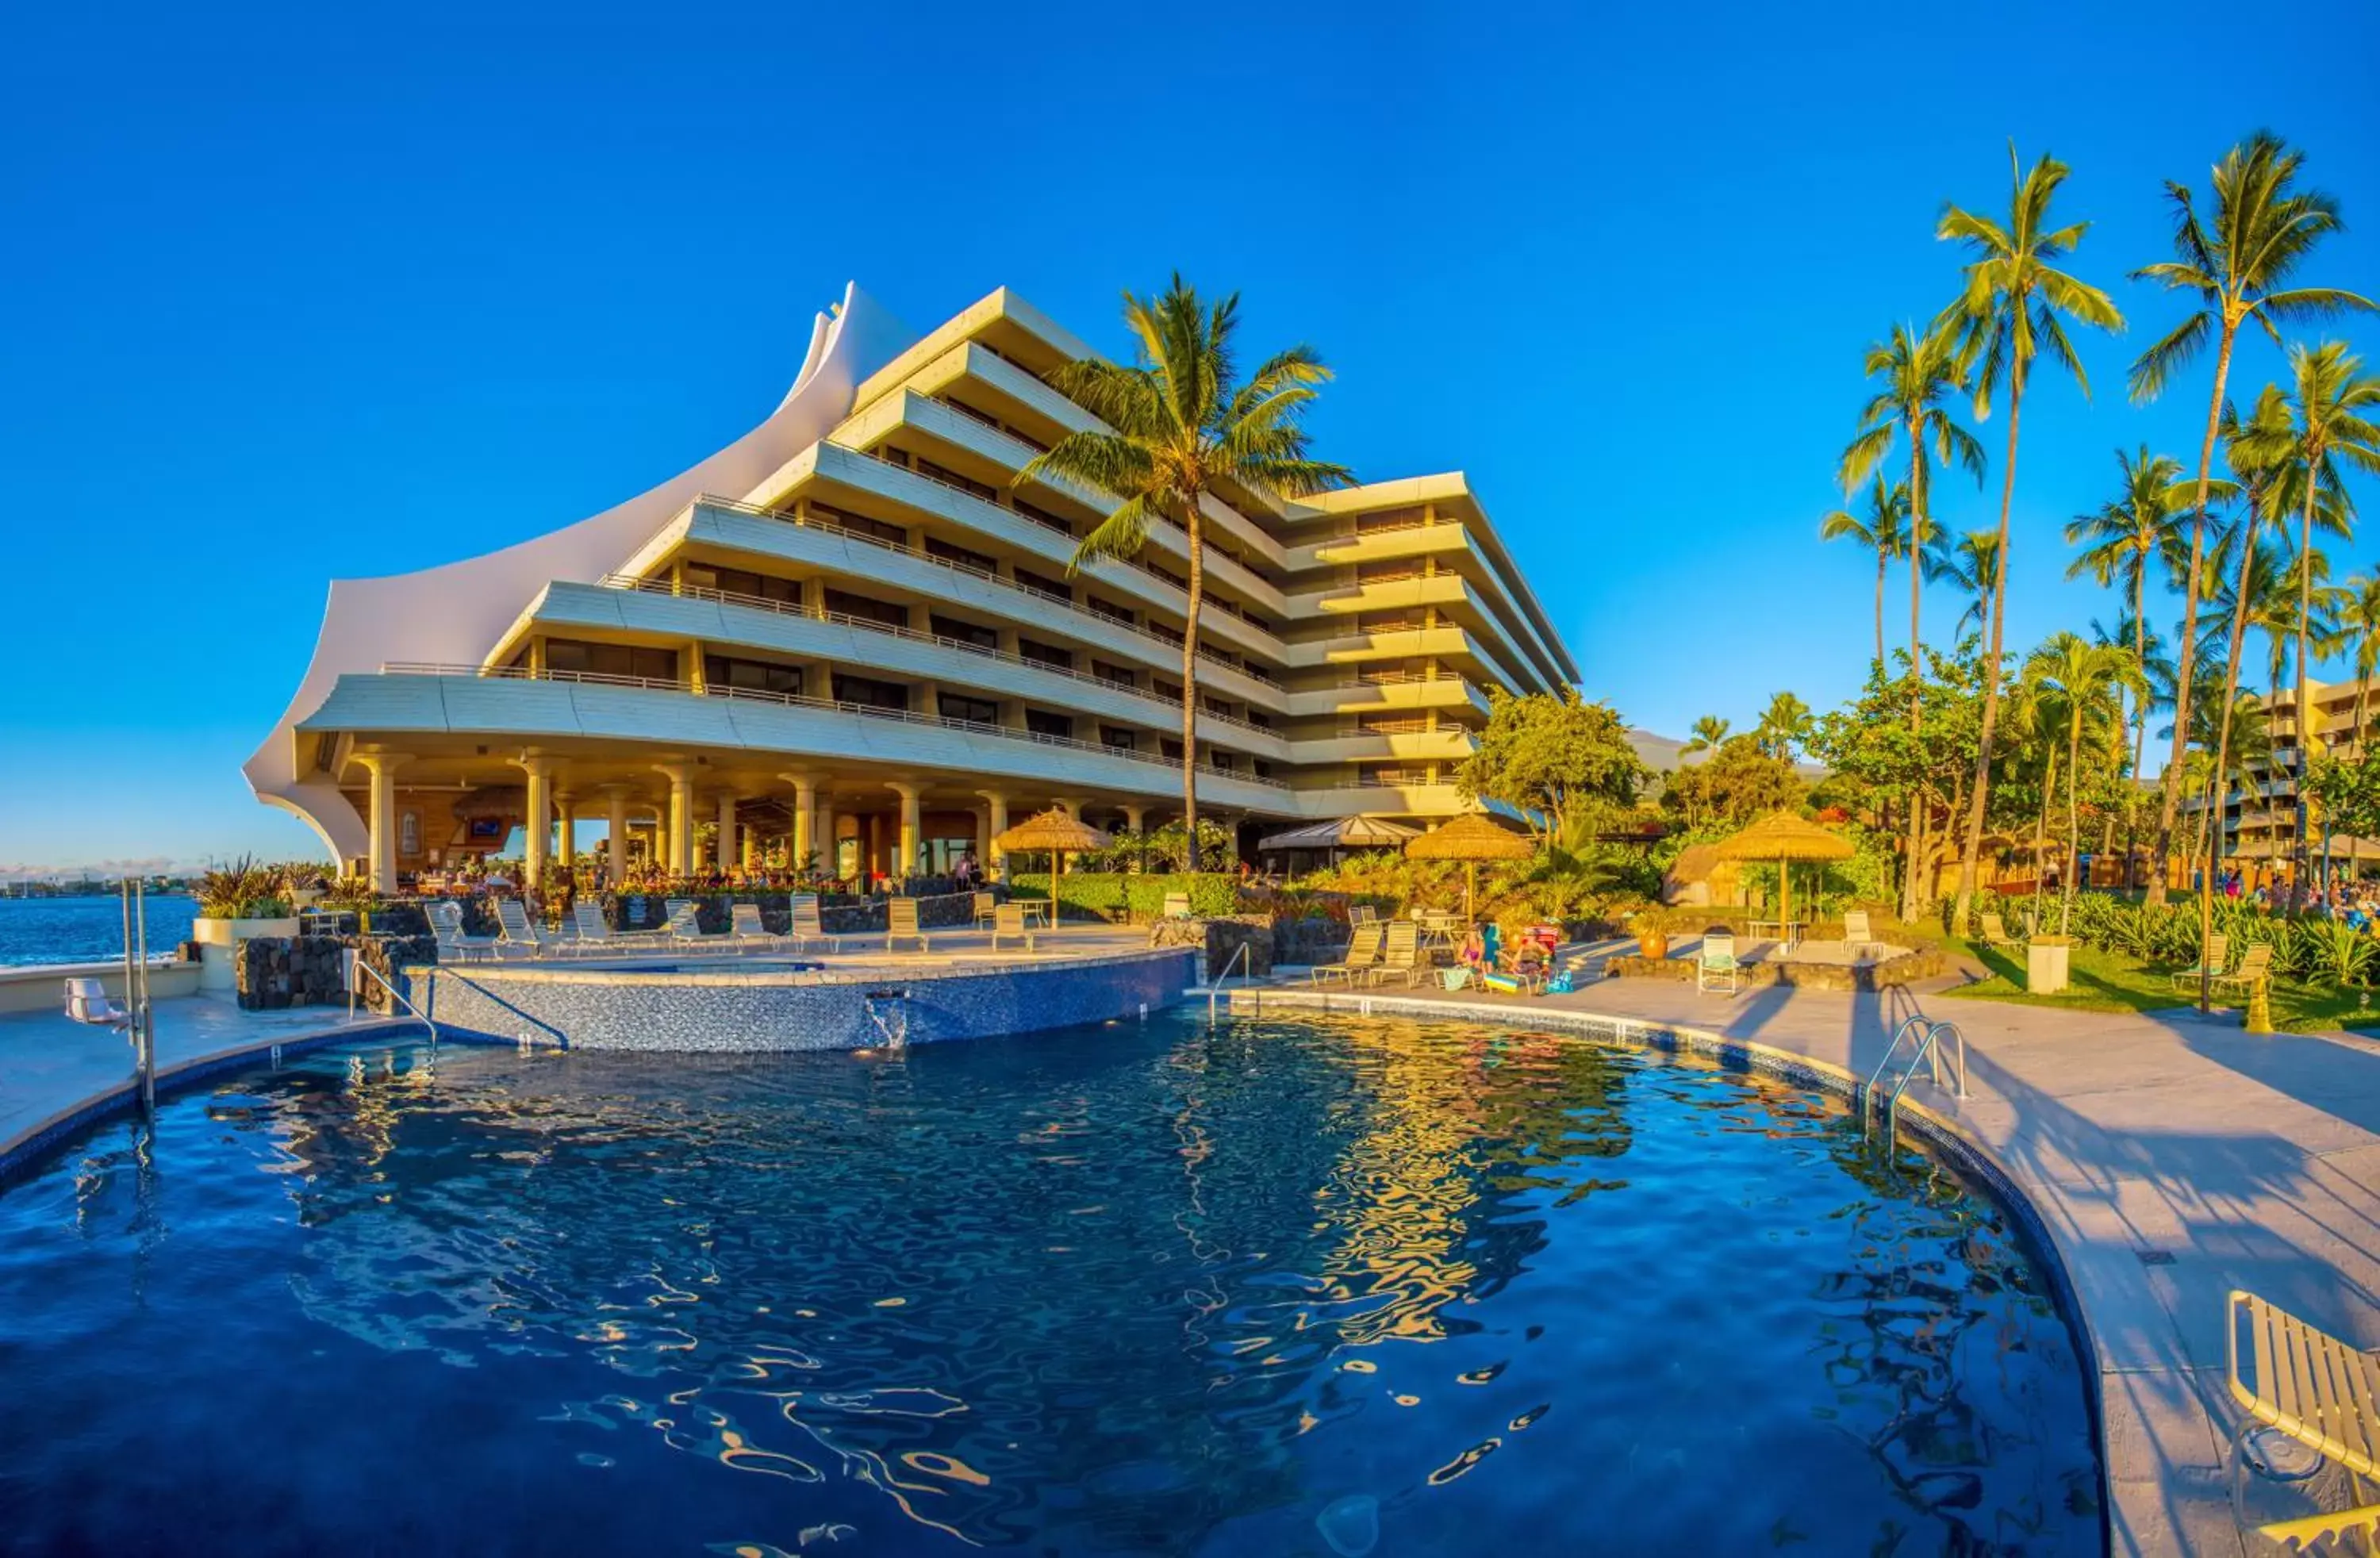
1279 1287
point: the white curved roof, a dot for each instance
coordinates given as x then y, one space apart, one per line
456 612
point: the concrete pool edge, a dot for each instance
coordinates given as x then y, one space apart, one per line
1970 1155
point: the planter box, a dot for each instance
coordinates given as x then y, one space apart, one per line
2045 960
219 939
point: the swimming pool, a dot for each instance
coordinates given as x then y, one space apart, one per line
1281 1286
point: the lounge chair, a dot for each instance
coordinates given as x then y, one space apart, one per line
87 1001
2255 964
1177 906
517 933
2318 1391
1400 959
1362 914
901 924
1363 955
1715 967
684 927
807 927
1856 933
1008 920
2210 967
987 910
744 923
454 945
1995 933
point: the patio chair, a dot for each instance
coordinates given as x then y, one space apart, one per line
1400 959
2315 1389
2210 967
807 927
744 923
454 945
901 924
1716 968
1008 920
684 927
986 910
1362 914
87 1001
2255 964
517 934
1856 933
1363 955
1995 932
1177 906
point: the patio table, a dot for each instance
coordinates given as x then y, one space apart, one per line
1785 931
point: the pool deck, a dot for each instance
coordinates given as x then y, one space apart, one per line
2170 1158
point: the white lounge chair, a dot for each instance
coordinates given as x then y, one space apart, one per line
901 924
519 934
1856 933
1363 955
1717 968
1177 906
87 1001
1008 920
684 927
596 935
807 927
453 944
745 924
2317 1390
985 910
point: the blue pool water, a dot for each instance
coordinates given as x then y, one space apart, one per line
1277 1287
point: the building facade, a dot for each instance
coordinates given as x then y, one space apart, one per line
853 635
2260 808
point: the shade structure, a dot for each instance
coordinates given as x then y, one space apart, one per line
1470 838
1060 834
1344 833
1785 838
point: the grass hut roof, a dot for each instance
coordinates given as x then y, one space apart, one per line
1781 835
1050 829
1471 836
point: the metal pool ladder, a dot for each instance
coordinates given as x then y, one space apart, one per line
356 965
1247 975
1926 1037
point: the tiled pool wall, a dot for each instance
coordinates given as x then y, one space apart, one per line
760 1009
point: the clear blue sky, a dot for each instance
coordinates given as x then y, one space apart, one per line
301 292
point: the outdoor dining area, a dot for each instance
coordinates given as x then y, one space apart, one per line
1445 948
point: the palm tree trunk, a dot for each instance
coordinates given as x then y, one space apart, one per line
2041 817
1882 557
1916 889
2172 798
2074 819
1977 801
2297 861
2223 746
2140 711
1190 673
2362 691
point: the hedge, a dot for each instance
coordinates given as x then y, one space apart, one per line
1119 895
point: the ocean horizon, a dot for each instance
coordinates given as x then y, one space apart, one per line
34 931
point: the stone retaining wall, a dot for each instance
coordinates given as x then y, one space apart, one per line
274 973
1909 968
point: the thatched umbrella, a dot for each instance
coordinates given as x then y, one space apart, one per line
1784 838
1060 836
1470 838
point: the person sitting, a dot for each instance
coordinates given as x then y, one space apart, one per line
1473 953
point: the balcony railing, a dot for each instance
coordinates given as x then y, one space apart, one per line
988 576
869 624
799 700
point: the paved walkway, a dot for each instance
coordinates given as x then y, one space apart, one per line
2171 1158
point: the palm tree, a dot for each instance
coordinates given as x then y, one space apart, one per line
2012 308
1784 726
1708 732
2359 620
1972 565
2091 680
2264 228
1916 373
1886 529
1178 429
2331 403
2154 694
2121 536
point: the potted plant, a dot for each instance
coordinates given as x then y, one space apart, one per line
238 903
2046 961
1652 933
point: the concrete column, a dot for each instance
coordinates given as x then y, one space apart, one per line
1134 816
679 860
383 767
830 847
537 824
567 852
1070 804
995 824
906 862
726 851
616 825
804 805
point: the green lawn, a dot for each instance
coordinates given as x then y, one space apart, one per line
2106 981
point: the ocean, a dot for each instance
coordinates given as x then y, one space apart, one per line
83 930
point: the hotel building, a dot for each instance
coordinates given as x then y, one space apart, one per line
853 633
2260 811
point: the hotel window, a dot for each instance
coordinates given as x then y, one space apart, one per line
1219 706
1170 576
739 581
1256 622
1221 762
1120 675
1117 736
1114 610
870 691
1264 769
947 477
1387 520
975 711
842 602
611 660
1260 719
754 675
1043 517
858 525
966 632
1042 584
983 562
891 456
1164 688
1169 748
1046 655
1045 722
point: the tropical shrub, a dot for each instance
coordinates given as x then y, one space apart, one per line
1117 894
243 890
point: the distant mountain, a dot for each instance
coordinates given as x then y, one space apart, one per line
1663 754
